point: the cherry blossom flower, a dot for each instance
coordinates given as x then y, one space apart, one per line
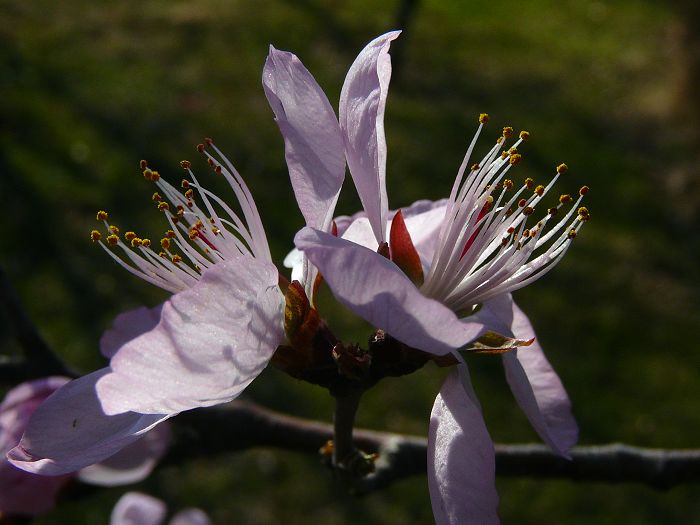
442 278
22 493
205 344
135 508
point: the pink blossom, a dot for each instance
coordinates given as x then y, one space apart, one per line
135 508
447 280
30 494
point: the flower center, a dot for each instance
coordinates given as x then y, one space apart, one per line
488 243
203 229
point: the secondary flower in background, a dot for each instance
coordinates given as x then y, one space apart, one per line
479 248
135 508
28 494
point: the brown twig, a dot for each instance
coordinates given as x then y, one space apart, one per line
242 425
38 359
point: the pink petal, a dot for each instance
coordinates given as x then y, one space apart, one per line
534 383
127 326
374 288
461 457
211 342
131 464
23 493
312 139
362 103
70 431
135 508
190 517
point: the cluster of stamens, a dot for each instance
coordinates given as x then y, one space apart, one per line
487 240
199 235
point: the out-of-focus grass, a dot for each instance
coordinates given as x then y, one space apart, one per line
89 88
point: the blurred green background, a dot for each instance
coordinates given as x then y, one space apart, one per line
89 88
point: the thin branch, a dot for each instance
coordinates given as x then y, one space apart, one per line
39 360
242 425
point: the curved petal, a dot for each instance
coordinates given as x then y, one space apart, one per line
461 457
127 326
375 289
211 342
131 464
312 139
362 103
534 383
134 508
190 517
70 431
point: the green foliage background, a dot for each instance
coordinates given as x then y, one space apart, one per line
89 88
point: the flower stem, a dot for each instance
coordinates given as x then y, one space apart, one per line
343 423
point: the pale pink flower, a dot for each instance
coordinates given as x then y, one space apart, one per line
135 508
445 279
28 494
218 331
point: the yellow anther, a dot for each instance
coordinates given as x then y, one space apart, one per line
562 168
475 167
529 183
193 234
211 220
185 183
565 198
528 210
112 239
95 235
148 174
155 176
143 164
180 210
572 233
524 135
539 190
163 255
507 132
129 236
199 225
165 243
215 230
163 206
189 193
146 243
513 151
526 233
507 184
522 203
483 118
185 164
176 259
582 210
515 159
156 197
583 190
135 242
499 140
102 215
504 154
114 230
170 234
583 214
553 211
